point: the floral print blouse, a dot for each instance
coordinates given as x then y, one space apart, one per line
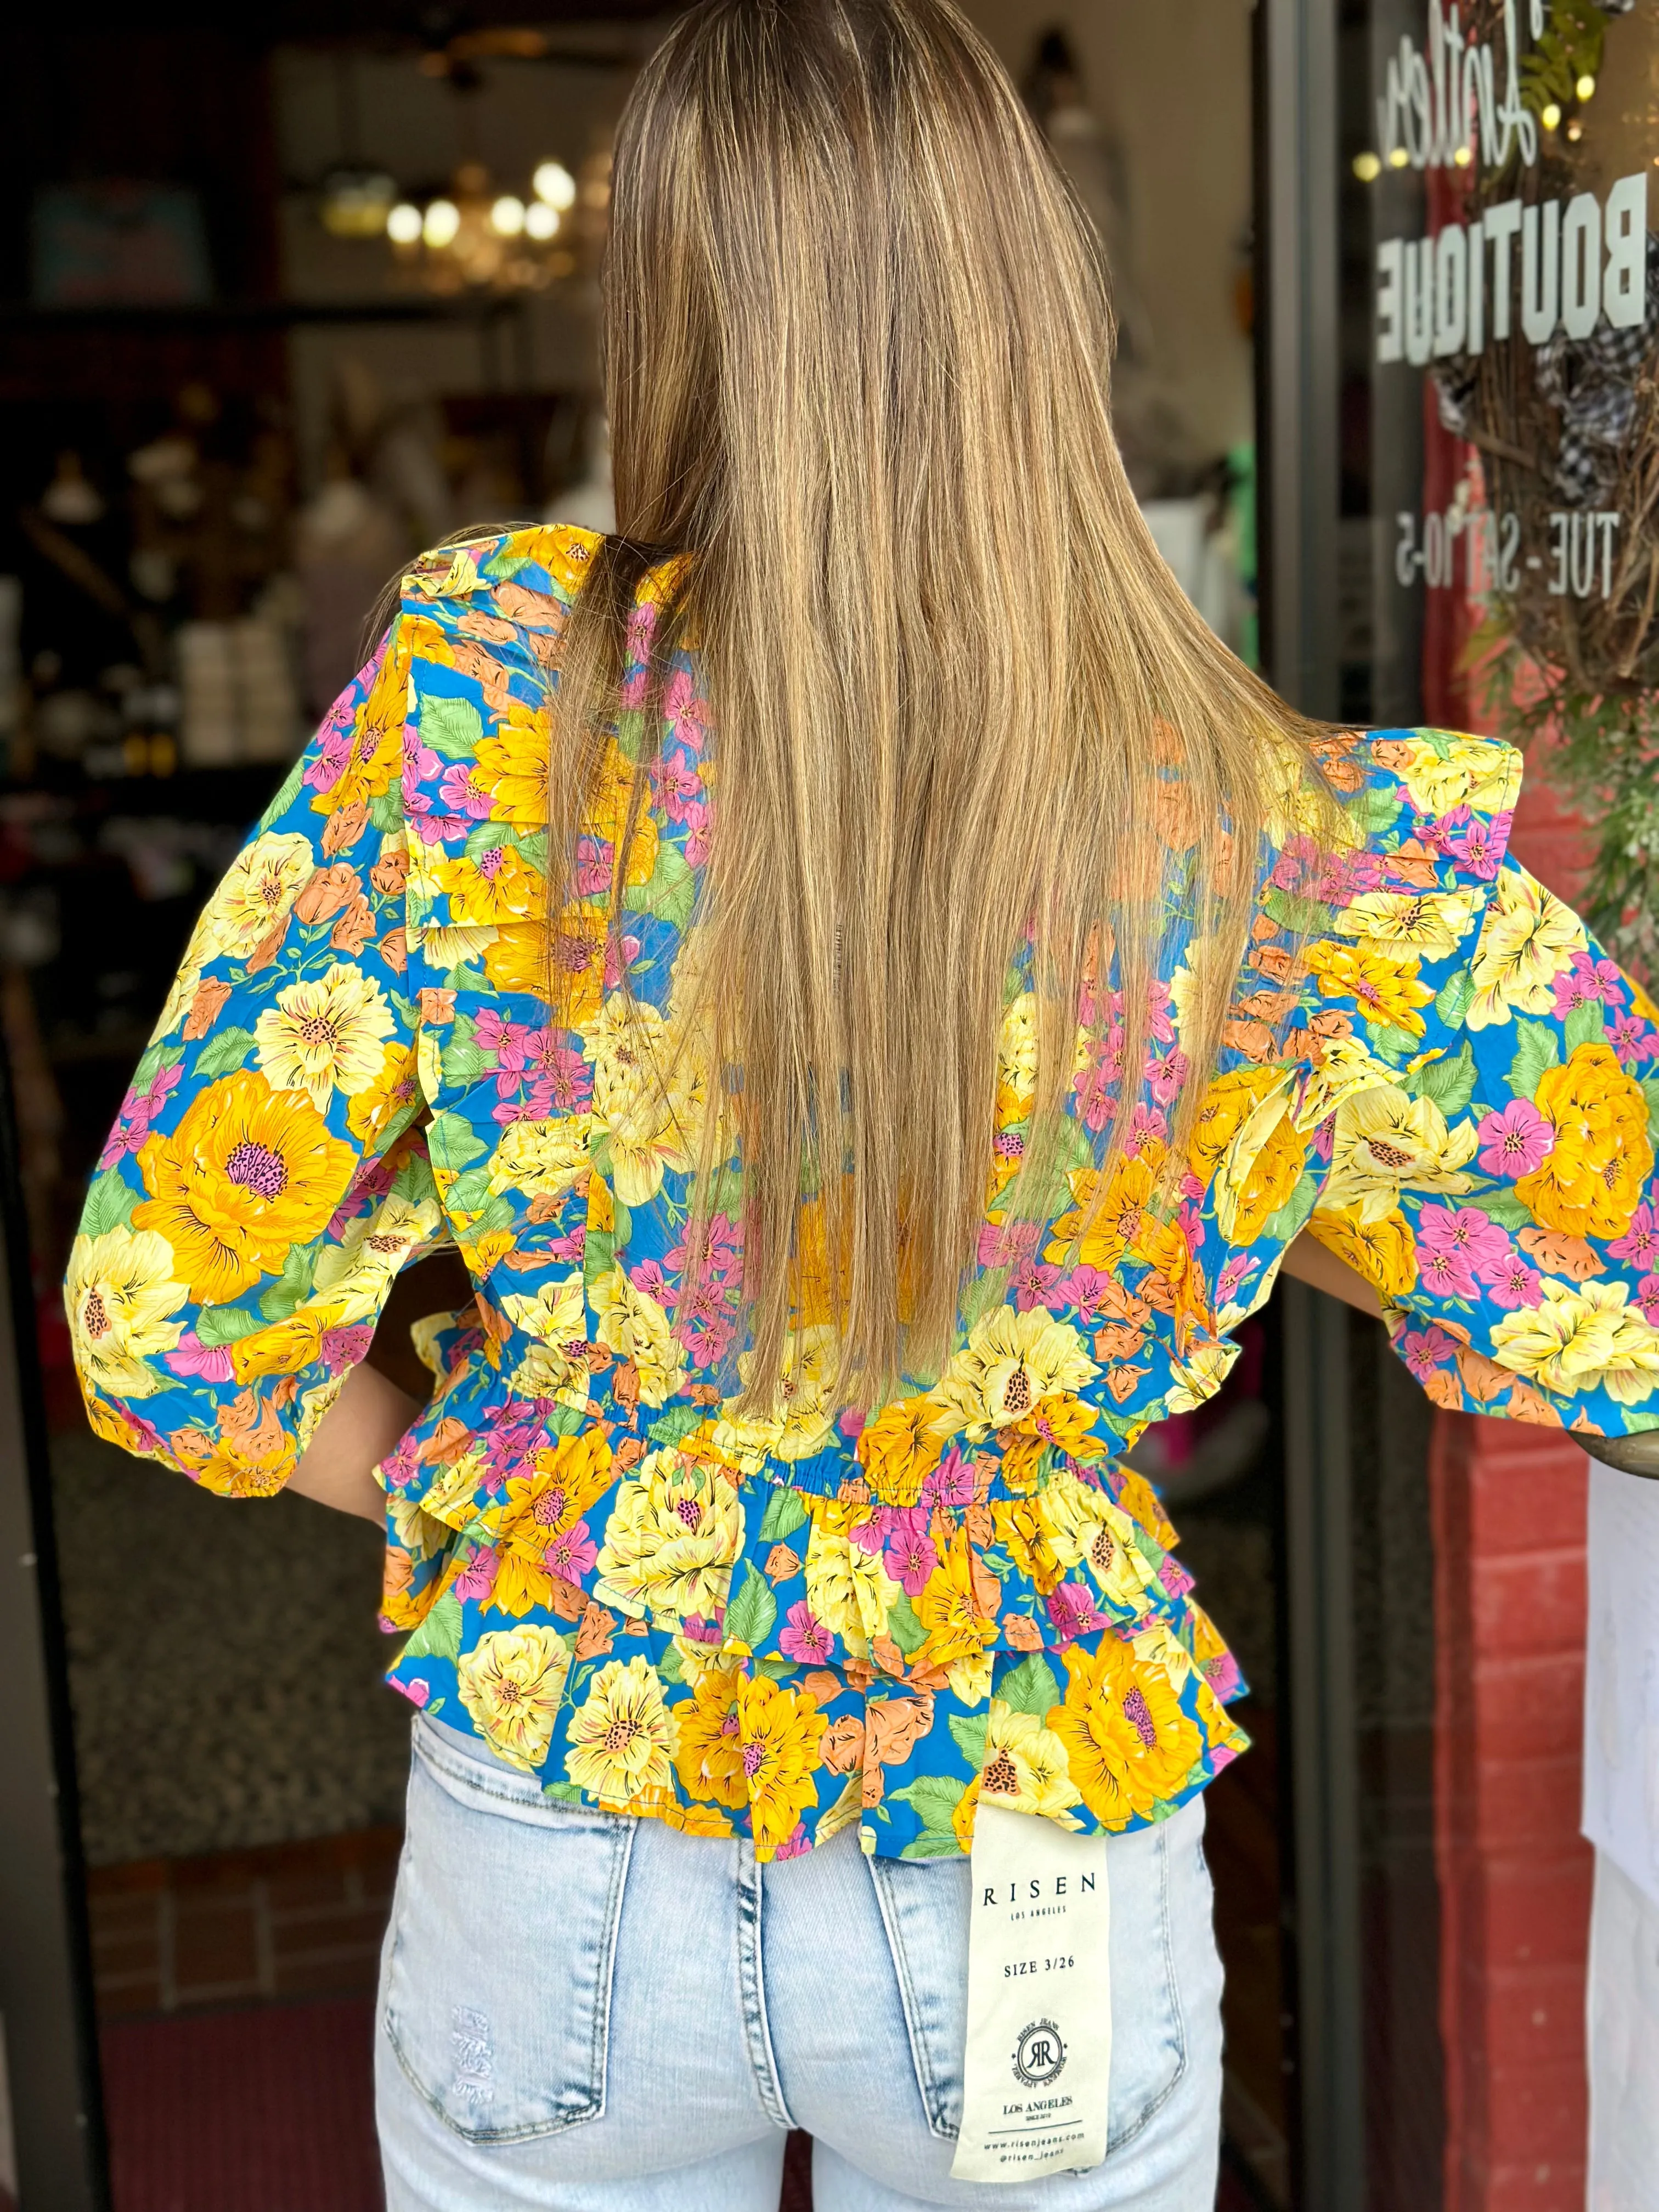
847 1614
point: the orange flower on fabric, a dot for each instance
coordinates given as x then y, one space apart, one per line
247 1172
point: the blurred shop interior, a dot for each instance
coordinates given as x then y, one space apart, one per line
287 295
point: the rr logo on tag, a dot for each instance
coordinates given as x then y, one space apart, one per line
1039 2054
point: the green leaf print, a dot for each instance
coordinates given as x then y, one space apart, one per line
461 1060
786 1511
109 1204
158 1056
1291 1217
934 1799
1395 1044
1503 1206
487 837
455 1144
1586 1025
562 1793
450 727
1449 1083
439 1635
751 1614
468 1193
1650 1092
670 891
217 1325
671 1666
906 1630
224 1054
1456 997
1375 811
386 809
1536 1048
291 1287
678 1422
1031 1687
968 1730
1302 917
933 1843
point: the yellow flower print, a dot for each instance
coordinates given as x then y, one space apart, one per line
802 1422
1382 1250
555 1318
511 1683
1443 769
633 1325
1592 1180
500 886
1017 1059
1129 1746
376 758
1199 1376
563 550
121 1294
1233 1105
957 1607
517 956
622 1737
1011 1362
566 1482
1386 1143
605 816
900 1447
1249 1191
257 892
1062 1423
351 1277
708 1756
511 765
393 1090
672 1535
1528 939
847 1588
1083 1527
1429 923
543 1159
321 1038
247 1172
1343 1068
1583 1337
1026 1769
650 1092
1387 990
461 946
1101 1234
779 1731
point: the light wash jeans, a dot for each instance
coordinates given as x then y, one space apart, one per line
595 2014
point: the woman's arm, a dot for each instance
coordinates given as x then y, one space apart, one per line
363 1426
1308 1261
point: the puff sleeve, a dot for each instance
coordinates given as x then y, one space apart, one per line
1500 1194
267 1177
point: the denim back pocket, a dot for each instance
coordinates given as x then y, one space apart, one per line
924 1908
497 1984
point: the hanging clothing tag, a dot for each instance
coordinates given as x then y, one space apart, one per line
1039 2002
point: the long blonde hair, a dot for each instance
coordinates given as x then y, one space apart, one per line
857 338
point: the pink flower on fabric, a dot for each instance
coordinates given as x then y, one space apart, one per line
1228 1281
1647 1297
138 1110
649 1277
1095 1081
1424 1350
1158 1024
1146 1127
1087 1288
1446 1272
686 712
804 1636
478 1577
401 1466
1164 1076
1074 1613
1639 1244
1514 1285
852 1423
1514 1142
795 1845
678 785
1630 1038
619 955
1481 846
1587 982
715 1250
1464 1230
1006 1244
1033 1283
417 1690
1223 1676
908 1554
344 1347
190 1356
950 1483
573 1553
1324 1138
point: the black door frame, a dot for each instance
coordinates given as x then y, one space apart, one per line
46 1967
1296 396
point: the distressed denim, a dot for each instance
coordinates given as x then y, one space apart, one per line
586 2011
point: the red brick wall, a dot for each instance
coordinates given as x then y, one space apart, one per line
1508 1503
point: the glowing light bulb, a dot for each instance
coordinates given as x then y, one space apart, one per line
442 222
1398 158
1585 87
540 221
1367 167
1463 157
1549 115
403 224
506 216
555 184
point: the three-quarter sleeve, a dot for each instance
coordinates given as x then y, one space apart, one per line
1501 1195
267 1177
